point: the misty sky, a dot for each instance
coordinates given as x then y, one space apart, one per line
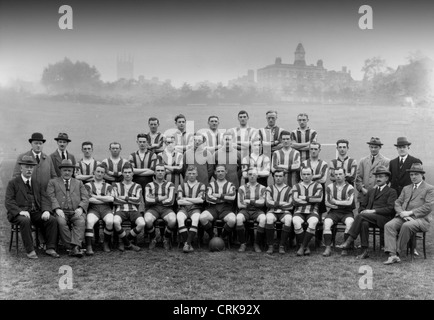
191 41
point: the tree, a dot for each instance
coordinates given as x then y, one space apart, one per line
373 67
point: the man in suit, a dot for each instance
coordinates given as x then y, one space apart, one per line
376 209
365 178
69 200
61 153
413 214
398 166
26 205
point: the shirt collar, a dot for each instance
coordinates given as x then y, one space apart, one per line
37 154
381 188
403 158
25 179
60 153
418 184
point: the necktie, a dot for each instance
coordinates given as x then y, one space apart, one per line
67 185
28 185
372 160
37 158
377 191
401 163
63 155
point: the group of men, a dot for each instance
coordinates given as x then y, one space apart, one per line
239 175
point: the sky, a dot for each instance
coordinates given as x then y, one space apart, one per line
191 41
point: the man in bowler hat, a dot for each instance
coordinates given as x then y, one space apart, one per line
61 153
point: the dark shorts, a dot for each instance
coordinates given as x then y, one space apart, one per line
306 217
132 216
100 210
280 214
189 211
220 210
159 211
250 214
337 216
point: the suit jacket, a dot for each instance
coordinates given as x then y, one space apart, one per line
383 203
17 197
365 173
57 160
42 172
57 193
421 202
401 178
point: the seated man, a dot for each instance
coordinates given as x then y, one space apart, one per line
251 202
100 201
376 209
306 195
339 200
69 200
159 198
27 204
279 202
413 214
258 161
191 195
127 197
220 197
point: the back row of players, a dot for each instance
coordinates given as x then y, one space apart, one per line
230 173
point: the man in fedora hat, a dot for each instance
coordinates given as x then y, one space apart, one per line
61 153
376 209
365 178
398 167
69 200
26 204
413 213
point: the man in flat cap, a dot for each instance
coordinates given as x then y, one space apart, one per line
26 204
69 200
61 153
398 167
376 209
413 214
365 178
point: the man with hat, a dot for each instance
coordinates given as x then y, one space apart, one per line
398 167
413 213
69 200
61 153
365 178
376 210
27 204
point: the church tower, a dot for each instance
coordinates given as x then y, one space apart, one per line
299 56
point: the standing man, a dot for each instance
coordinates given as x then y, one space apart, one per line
155 138
251 202
69 200
399 166
61 153
256 160
27 204
413 214
377 209
343 161
173 162
87 165
214 138
200 157
114 163
365 178
288 160
303 136
271 135
183 139
229 156
340 201
244 134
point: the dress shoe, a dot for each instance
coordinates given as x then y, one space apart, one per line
52 253
363 255
270 249
32 255
242 248
307 251
392 259
76 252
344 252
133 247
347 244
327 252
281 249
257 248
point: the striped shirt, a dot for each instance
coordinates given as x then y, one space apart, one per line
213 139
350 166
314 190
197 190
182 140
85 168
154 190
268 137
262 163
244 135
320 167
304 136
275 197
340 193
173 159
225 188
148 160
287 158
157 139
116 168
131 190
248 192
102 189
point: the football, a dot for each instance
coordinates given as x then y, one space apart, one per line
216 244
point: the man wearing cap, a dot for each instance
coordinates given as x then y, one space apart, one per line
27 204
398 167
413 213
69 200
61 153
365 178
376 210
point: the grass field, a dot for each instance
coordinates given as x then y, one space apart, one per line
202 274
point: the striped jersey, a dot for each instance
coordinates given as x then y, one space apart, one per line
197 190
116 168
262 163
341 193
213 139
244 135
248 192
157 139
86 168
102 189
131 190
320 167
225 187
148 160
173 159
287 158
300 136
183 139
350 166
155 189
270 135
313 190
284 194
